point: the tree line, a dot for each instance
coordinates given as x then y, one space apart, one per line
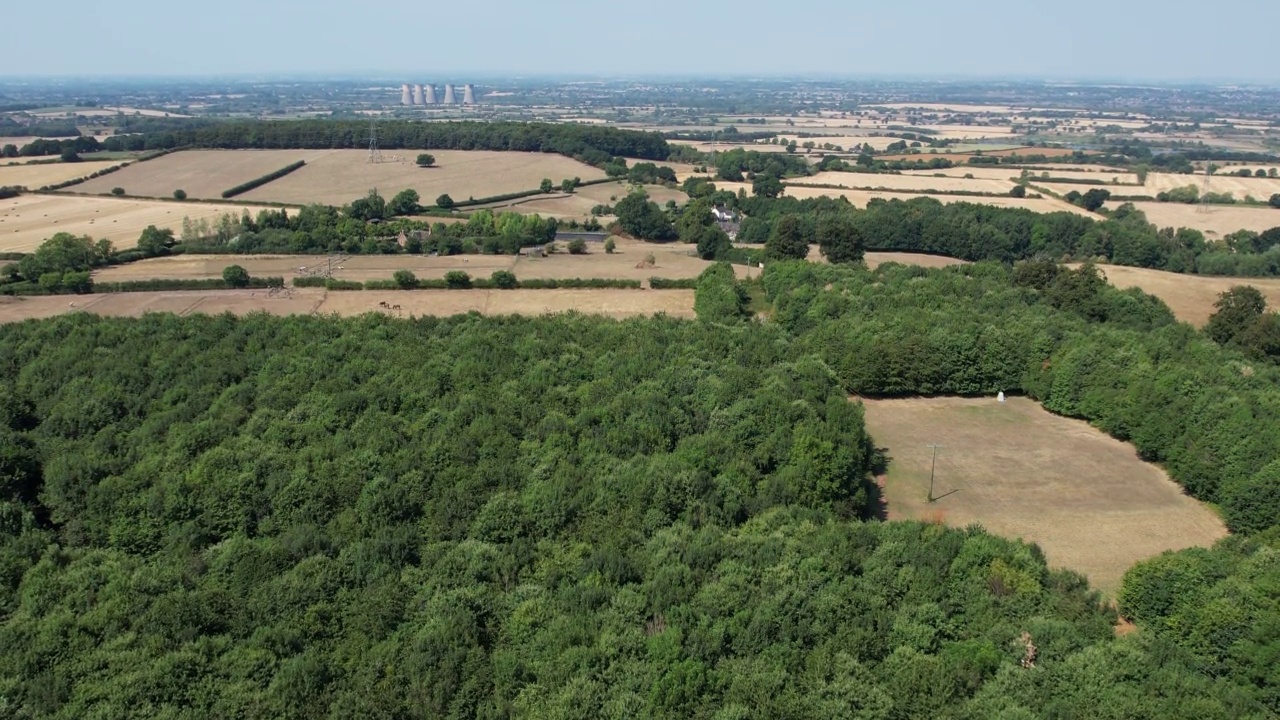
591 144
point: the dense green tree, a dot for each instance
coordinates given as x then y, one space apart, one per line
405 202
1237 310
179 194
369 207
426 160
405 279
504 280
641 218
1275 200
235 276
577 246
153 241
457 279
444 202
767 186
839 238
787 240
1094 199
546 186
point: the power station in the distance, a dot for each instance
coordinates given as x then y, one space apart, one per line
426 95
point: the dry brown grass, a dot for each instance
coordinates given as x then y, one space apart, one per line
578 205
34 177
1259 188
1019 471
613 303
340 176
905 182
1190 297
27 220
859 198
1218 221
673 261
203 174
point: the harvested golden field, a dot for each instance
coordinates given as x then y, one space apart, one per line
614 303
1019 471
968 132
904 182
1218 221
340 176
203 174
949 107
27 220
672 260
859 198
34 177
1259 188
578 205
1190 297
876 259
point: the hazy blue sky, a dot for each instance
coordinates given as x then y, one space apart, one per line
423 39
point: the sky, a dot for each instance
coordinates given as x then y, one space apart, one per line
1129 40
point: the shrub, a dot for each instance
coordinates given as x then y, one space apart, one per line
444 201
235 276
504 280
577 246
117 191
457 280
179 194
610 246
404 279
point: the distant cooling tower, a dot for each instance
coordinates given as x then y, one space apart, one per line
430 94
448 94
417 94
469 94
405 97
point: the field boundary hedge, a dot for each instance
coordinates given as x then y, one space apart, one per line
487 284
245 187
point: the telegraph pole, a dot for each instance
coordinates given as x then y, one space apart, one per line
932 466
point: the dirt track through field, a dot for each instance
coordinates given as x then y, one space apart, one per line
1021 472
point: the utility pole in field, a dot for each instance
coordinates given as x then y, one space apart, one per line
933 466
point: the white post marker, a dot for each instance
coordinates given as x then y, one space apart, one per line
1000 397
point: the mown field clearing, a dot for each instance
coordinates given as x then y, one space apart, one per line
614 303
339 176
905 182
1019 471
28 220
34 177
1215 221
672 260
202 174
1190 297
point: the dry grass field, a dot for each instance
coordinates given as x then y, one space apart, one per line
203 174
905 182
859 198
1190 297
340 176
614 303
1220 220
1019 471
34 177
1259 188
28 220
672 260
578 205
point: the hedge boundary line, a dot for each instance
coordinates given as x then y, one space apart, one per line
245 187
488 284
